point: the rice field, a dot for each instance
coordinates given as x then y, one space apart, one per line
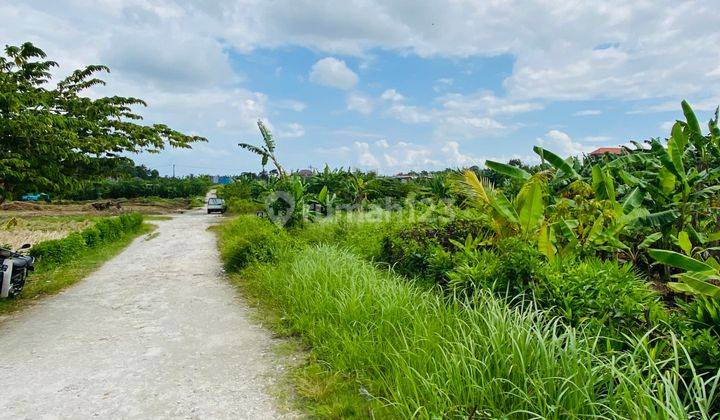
18 230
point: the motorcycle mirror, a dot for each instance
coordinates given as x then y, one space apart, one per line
25 246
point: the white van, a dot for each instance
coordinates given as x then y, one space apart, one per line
216 205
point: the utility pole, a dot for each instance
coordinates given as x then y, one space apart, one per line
173 170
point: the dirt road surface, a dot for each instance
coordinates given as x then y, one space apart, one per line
155 333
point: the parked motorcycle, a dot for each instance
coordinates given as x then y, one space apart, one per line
14 270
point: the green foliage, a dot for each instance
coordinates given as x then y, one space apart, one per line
266 151
601 294
243 206
60 251
137 187
705 311
250 239
53 135
509 269
416 355
411 249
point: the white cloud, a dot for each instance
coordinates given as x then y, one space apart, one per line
560 142
176 54
293 130
330 71
588 112
359 103
469 127
645 49
409 114
404 156
365 157
292 104
486 102
392 95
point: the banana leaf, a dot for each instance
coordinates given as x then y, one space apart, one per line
508 170
684 242
545 245
678 260
633 200
501 204
557 162
649 240
690 117
531 207
697 284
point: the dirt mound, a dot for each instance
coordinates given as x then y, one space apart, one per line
20 206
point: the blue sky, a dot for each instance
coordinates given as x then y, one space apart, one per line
388 85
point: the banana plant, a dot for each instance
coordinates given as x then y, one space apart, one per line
699 278
326 199
266 151
523 216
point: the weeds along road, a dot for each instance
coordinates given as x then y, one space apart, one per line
157 332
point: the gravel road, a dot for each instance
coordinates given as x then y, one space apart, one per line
157 332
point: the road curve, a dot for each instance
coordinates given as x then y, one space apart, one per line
157 332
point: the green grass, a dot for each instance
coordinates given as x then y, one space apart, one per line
44 282
383 347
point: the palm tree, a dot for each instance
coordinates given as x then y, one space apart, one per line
266 152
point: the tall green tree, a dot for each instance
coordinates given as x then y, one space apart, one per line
52 136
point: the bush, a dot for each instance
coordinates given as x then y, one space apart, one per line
601 294
60 251
411 249
91 236
508 270
250 239
131 222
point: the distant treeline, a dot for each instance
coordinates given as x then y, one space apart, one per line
135 187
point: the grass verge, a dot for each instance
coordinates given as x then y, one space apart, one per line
44 282
380 347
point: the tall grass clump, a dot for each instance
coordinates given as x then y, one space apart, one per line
248 239
417 354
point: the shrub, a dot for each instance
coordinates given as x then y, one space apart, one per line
59 251
91 236
411 249
250 239
602 294
509 269
703 346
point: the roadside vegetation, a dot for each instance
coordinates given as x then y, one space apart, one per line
66 259
576 287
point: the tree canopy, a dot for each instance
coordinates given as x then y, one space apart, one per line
53 137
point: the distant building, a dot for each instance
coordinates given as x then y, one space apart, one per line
607 151
221 179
